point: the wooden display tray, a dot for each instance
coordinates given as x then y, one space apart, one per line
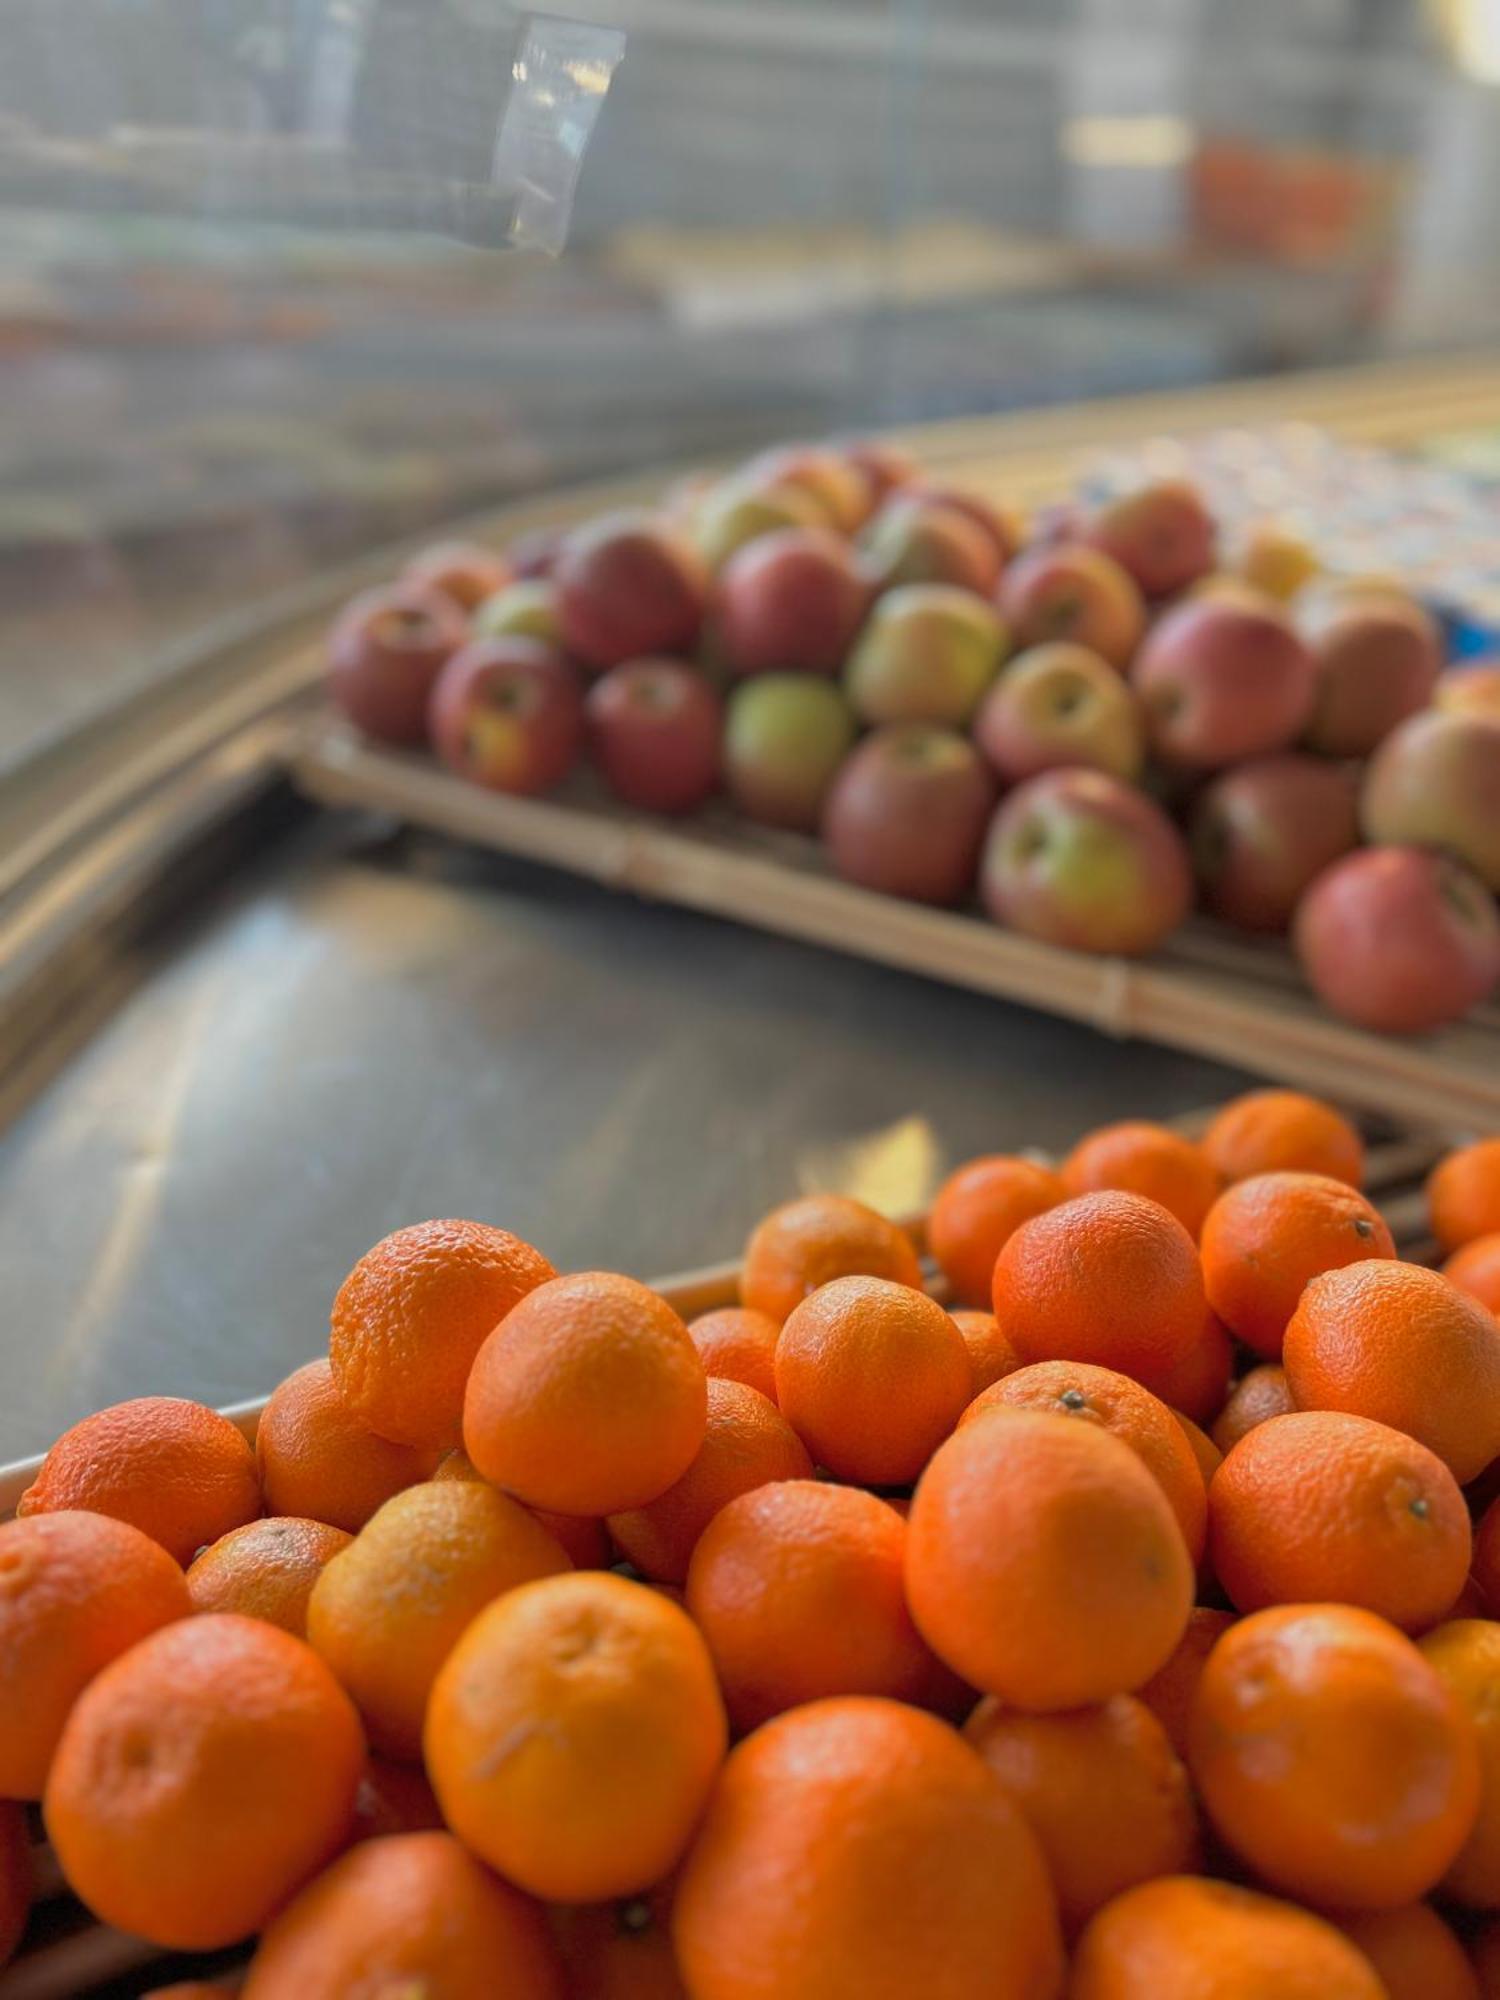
67 1956
1215 993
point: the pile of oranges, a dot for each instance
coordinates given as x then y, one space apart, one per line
1125 1628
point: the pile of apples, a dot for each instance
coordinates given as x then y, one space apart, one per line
1093 728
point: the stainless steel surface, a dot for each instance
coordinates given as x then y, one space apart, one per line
374 1029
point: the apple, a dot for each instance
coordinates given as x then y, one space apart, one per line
916 540
885 466
1276 561
1079 858
1058 705
461 570
790 602
785 736
1221 678
654 728
1162 535
908 811
627 585
1262 831
927 653
385 651
1398 939
999 528
1377 656
837 484
508 713
1435 782
1471 689
1062 590
526 609
730 516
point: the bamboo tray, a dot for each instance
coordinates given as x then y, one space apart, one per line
67 1956
1210 991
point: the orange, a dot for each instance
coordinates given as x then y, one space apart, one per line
1332 1757
1476 1269
1486 1556
1259 1395
202 1778
15 1878
411 1316
1197 1384
1202 1446
76 1590
1103 1791
1414 1952
798 1590
415 1914
1320 1507
1044 1563
1282 1131
1399 1343
1148 1159
266 1569
990 1353
619 1951
590 1401
1108 1278
738 1345
805 1243
1466 1653
394 1798
190 1989
317 1460
857 1846
1185 1938
1172 1689
1266 1236
871 1375
748 1443
585 1541
179 1472
574 1734
975 1213
1101 1396
387 1612
1463 1194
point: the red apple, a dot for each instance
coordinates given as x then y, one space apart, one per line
1435 782
1377 656
885 466
1079 859
785 737
1262 831
998 527
508 713
1062 590
1398 939
833 479
627 586
1060 705
1472 688
654 729
908 811
1162 534
731 515
790 602
916 540
385 651
1221 678
461 570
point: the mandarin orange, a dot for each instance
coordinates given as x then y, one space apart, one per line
808 1242
975 1213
